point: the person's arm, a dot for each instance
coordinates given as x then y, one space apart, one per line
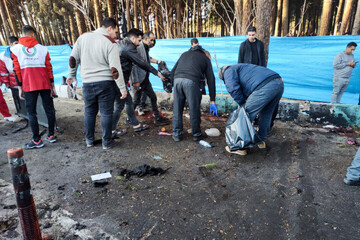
4 74
50 74
153 60
210 78
115 67
135 57
338 63
74 62
233 86
17 73
241 53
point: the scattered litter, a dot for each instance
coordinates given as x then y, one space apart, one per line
352 142
305 113
130 187
205 144
124 224
157 157
119 178
204 171
211 165
296 177
61 188
164 134
142 170
329 126
189 130
187 116
163 129
213 132
164 108
100 176
100 183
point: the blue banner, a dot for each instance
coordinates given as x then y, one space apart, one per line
305 63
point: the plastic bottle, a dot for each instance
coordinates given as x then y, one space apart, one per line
205 144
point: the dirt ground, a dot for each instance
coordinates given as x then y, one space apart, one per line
292 190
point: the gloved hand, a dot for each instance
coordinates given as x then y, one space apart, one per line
213 109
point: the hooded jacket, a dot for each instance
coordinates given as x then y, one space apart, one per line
242 79
195 65
138 74
7 75
130 56
245 53
32 67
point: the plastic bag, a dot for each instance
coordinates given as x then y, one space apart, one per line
213 132
239 131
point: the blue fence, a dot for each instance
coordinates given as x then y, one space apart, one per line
305 63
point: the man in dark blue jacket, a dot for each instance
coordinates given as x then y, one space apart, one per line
259 88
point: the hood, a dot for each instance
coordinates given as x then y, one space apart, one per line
222 71
28 41
197 48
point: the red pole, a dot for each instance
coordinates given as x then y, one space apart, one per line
24 199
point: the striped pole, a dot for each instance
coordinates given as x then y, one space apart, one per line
24 199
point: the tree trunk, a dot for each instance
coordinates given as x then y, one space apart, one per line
186 18
178 19
346 16
325 18
80 20
55 29
136 20
110 8
3 18
238 10
338 16
193 16
142 13
10 18
73 32
168 34
128 18
285 18
273 17
263 15
356 28
199 19
157 21
246 16
278 18
98 15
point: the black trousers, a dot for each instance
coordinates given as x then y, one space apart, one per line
48 103
146 88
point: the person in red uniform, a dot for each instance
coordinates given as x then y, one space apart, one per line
34 76
7 77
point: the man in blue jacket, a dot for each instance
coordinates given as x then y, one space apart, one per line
259 88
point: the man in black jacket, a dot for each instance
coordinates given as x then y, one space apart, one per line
128 57
188 72
252 49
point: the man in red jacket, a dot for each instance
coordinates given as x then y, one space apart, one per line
33 72
7 77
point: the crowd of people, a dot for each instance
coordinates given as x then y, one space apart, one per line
109 68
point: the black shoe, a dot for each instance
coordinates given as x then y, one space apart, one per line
351 182
110 145
176 138
198 138
127 121
161 121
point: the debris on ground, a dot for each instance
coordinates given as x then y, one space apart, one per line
213 132
141 171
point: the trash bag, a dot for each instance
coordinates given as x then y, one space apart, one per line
168 82
239 131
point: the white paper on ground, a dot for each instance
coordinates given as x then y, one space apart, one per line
100 176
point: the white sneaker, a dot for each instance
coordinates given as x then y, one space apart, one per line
10 119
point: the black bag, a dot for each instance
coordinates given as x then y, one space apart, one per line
239 131
168 82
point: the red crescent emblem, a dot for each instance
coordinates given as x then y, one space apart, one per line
27 49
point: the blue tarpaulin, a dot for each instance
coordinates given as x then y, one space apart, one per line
305 63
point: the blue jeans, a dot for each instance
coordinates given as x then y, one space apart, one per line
119 105
186 89
264 100
353 172
99 96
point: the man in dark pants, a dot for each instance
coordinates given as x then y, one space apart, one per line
128 57
34 76
99 57
259 88
142 76
188 72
